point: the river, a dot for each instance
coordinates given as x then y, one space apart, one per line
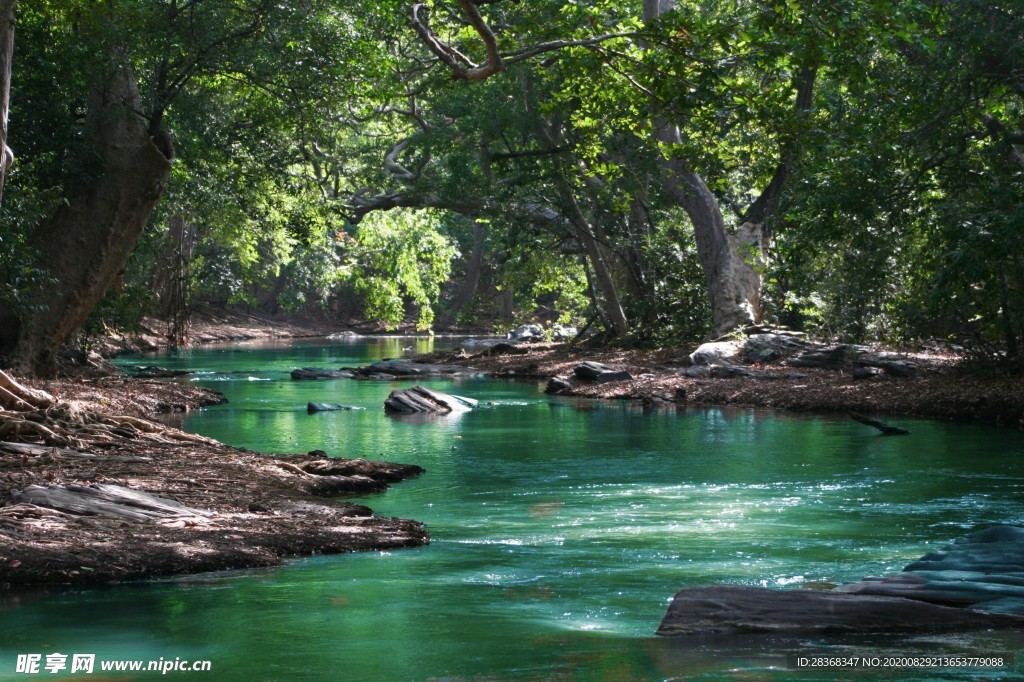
560 530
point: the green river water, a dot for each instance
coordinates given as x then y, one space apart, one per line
560 530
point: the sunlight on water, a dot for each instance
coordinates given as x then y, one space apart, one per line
560 531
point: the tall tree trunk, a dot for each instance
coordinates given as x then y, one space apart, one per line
729 261
734 284
6 59
588 235
474 268
602 273
85 245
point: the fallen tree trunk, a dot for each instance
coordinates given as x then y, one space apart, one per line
112 501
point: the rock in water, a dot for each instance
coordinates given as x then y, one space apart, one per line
734 609
975 582
313 408
312 373
419 399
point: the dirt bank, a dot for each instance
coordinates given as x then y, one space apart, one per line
239 509
942 388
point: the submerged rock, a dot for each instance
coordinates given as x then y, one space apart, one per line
983 570
312 373
313 408
419 399
975 582
153 372
733 609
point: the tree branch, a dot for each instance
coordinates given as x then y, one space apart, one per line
765 204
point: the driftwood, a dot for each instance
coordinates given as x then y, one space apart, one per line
884 428
112 501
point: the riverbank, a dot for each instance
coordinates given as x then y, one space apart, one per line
158 501
941 388
249 509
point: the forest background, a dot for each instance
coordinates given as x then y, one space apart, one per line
664 171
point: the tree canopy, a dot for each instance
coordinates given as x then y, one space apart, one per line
665 170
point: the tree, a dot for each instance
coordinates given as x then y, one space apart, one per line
119 162
6 60
731 261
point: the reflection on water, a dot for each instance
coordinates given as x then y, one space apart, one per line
560 530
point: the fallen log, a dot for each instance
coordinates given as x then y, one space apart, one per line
112 501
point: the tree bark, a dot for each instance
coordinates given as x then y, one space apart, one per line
728 261
474 268
6 59
602 273
119 175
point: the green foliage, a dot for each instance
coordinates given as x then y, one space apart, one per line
399 258
900 219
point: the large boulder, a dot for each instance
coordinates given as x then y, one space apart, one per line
733 609
975 582
983 570
599 372
419 399
716 353
770 347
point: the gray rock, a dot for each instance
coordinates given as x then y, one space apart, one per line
527 332
731 609
313 373
419 399
389 370
716 353
770 347
729 371
975 582
505 349
559 386
564 333
861 373
836 357
599 372
312 408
